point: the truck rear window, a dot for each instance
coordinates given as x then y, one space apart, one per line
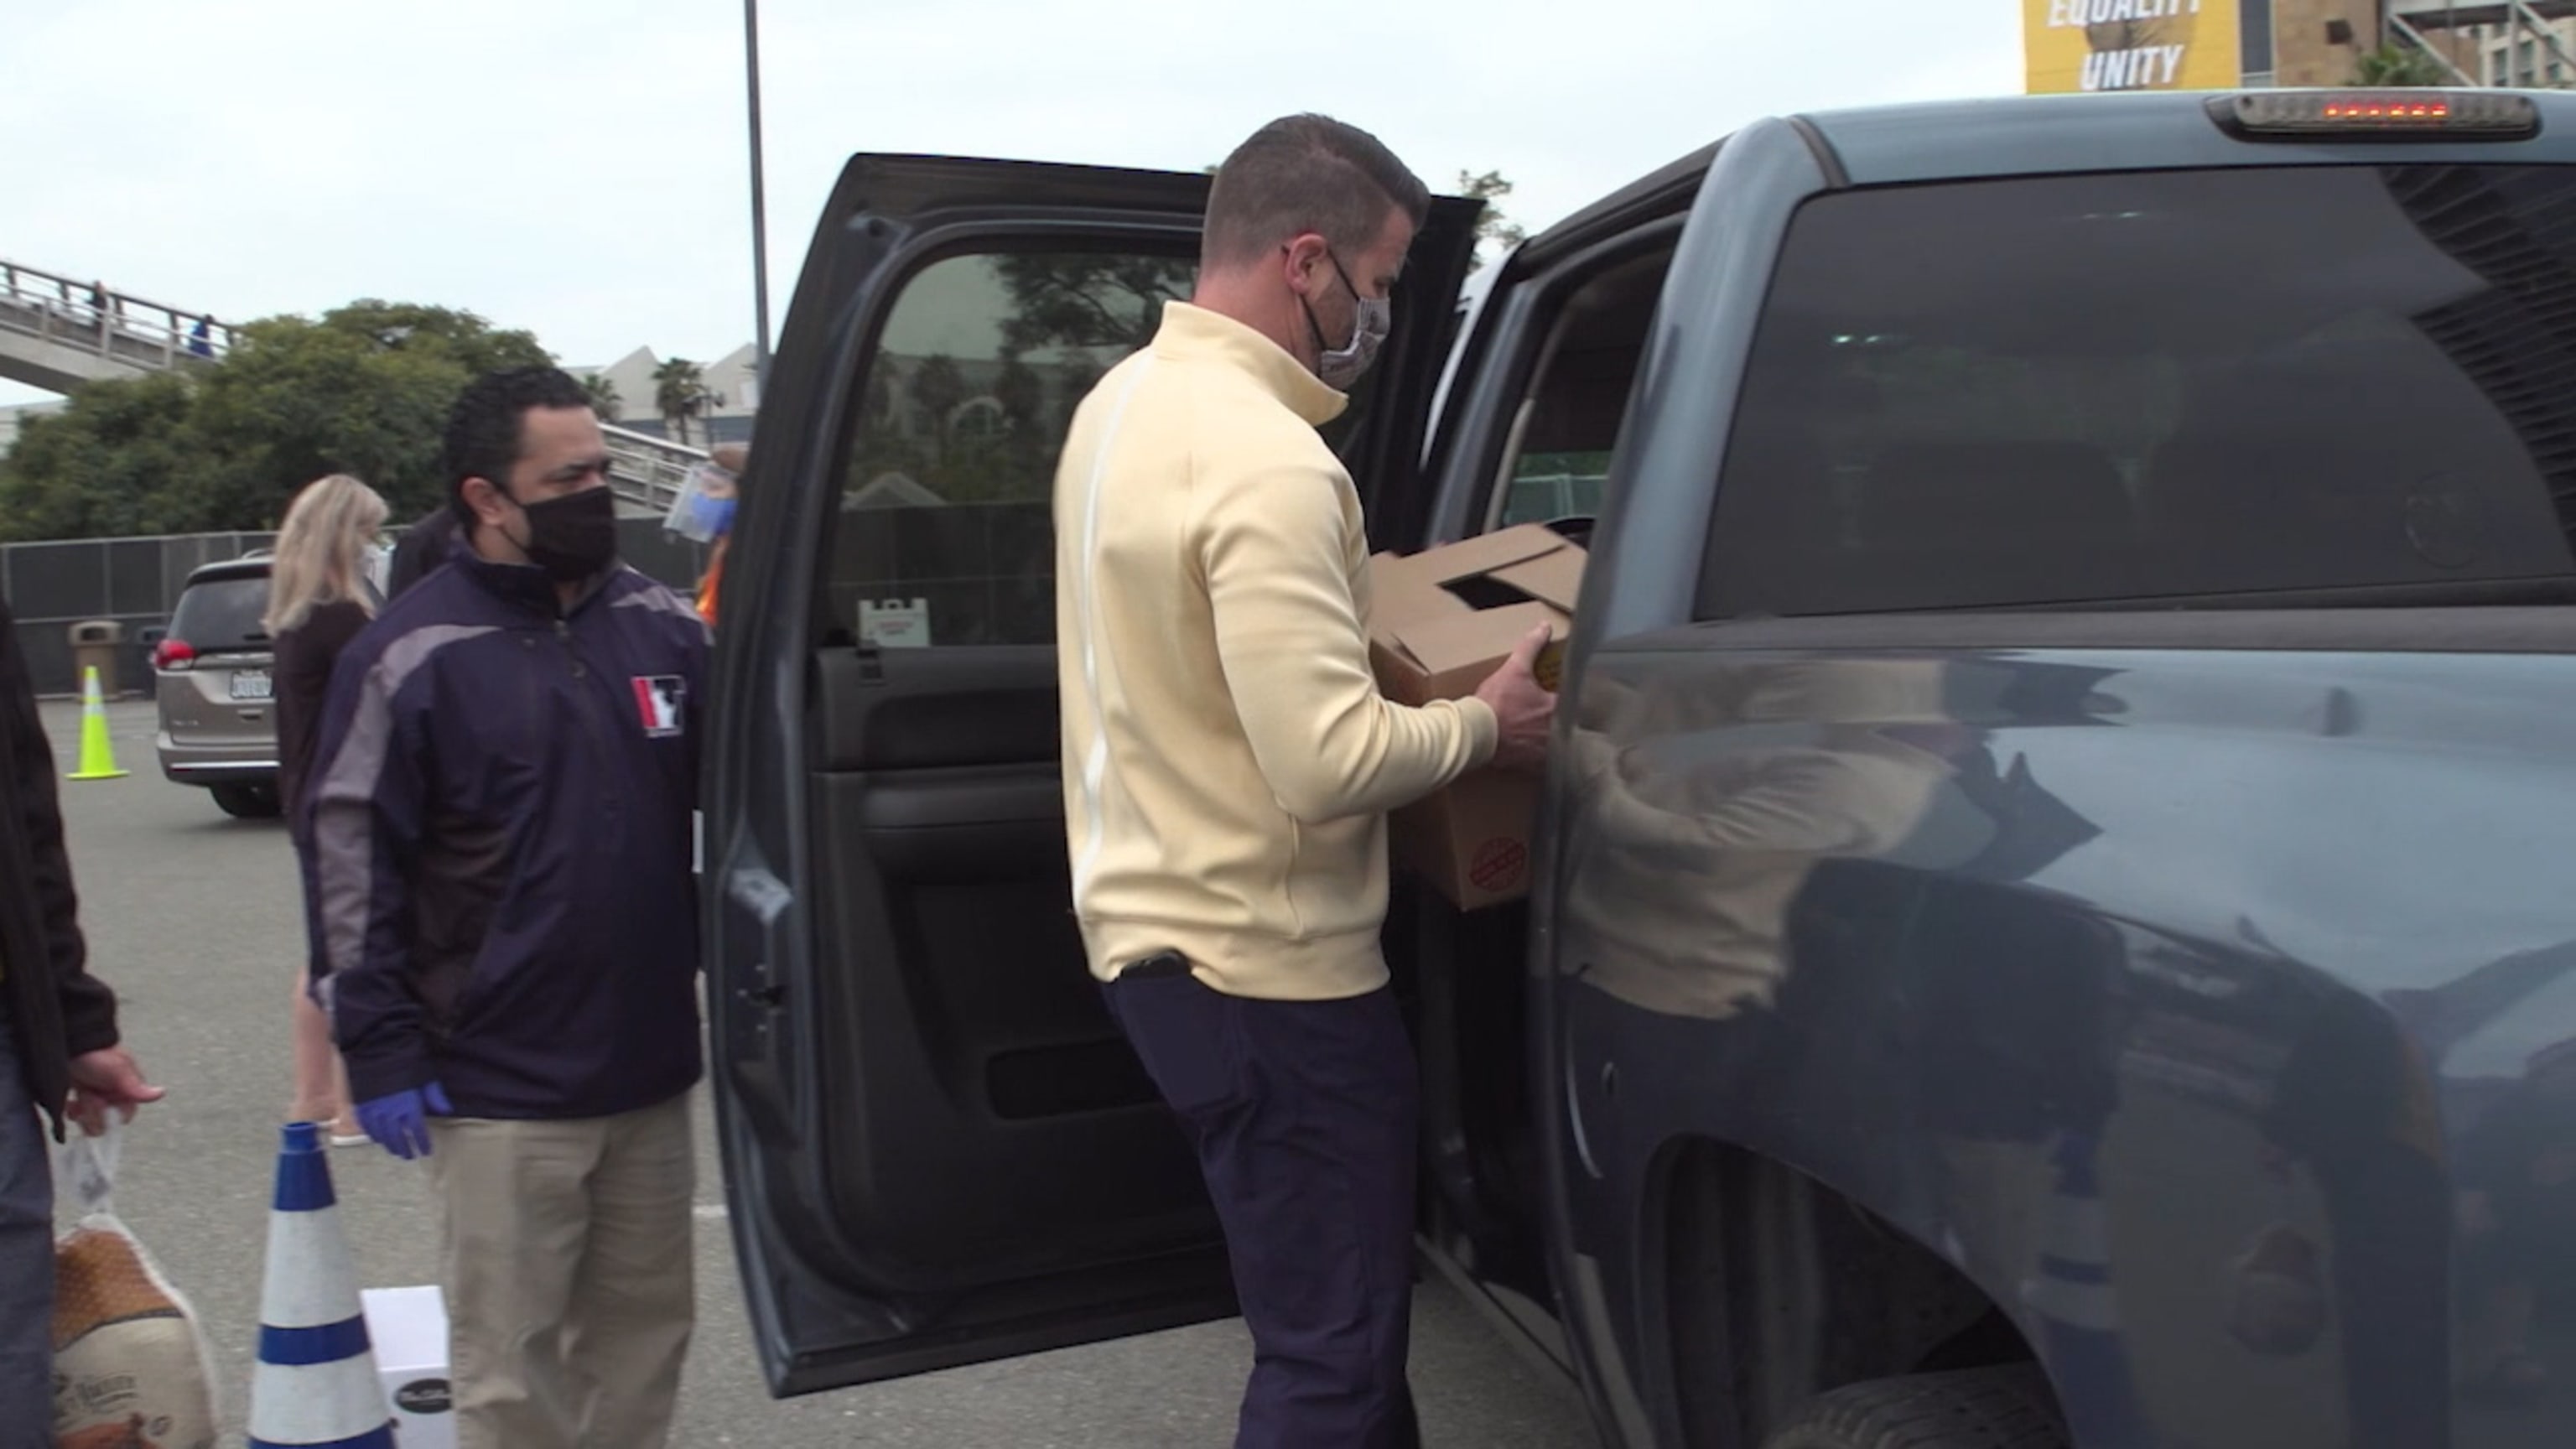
2199 387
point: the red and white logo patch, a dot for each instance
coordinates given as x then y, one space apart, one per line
658 698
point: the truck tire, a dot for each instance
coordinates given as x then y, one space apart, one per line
2008 1407
248 802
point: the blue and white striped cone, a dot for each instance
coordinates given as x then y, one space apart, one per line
315 1386
2079 1306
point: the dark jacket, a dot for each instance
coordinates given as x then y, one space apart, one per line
501 825
58 1009
305 655
425 545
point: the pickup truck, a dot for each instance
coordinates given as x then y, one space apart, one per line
2052 917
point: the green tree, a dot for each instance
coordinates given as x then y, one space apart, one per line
1493 228
937 389
364 389
1085 300
2402 65
1030 442
679 394
1074 380
604 399
474 344
94 469
1022 394
883 445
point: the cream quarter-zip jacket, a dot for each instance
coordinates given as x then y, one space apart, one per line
1228 760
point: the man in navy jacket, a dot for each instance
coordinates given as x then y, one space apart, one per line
502 824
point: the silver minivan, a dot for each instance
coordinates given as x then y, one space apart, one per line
213 677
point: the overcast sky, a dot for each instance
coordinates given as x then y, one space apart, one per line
579 167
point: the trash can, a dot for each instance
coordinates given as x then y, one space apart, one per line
94 645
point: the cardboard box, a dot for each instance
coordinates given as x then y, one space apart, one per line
1440 622
407 1327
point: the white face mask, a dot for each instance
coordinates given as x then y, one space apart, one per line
1340 367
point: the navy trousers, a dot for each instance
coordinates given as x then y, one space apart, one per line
26 1261
1304 1115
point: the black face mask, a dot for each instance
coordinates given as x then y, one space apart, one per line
572 537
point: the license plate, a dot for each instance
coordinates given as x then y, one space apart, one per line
250 684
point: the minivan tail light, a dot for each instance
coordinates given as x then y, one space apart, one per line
2392 115
173 654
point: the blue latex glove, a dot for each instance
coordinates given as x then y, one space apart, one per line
401 1122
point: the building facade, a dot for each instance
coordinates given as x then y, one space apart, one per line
2114 45
732 385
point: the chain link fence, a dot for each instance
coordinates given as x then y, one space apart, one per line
135 583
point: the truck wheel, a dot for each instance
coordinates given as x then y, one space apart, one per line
247 802
2008 1407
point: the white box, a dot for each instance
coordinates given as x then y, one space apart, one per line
408 1329
895 623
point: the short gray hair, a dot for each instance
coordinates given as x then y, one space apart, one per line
1304 174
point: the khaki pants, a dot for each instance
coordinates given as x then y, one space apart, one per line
568 1269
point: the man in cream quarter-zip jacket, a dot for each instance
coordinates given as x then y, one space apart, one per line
1229 762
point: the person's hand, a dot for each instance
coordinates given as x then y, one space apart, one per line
400 1122
105 1081
1525 708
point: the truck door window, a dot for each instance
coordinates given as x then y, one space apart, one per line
1557 461
945 534
2201 387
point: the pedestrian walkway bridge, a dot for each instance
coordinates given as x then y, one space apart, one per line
650 470
57 332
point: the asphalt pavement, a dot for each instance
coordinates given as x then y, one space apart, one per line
193 918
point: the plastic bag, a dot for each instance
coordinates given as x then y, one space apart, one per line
133 1368
703 510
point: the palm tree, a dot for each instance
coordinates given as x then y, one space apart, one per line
679 394
604 399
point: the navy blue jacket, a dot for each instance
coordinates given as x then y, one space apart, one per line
501 825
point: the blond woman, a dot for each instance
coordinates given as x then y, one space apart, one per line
318 600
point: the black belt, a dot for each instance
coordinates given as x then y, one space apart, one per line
1159 966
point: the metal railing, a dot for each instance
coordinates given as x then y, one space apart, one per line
2537 57
86 315
2398 27
90 317
650 470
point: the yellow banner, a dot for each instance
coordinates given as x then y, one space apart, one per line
2132 45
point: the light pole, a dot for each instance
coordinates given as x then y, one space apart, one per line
759 210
